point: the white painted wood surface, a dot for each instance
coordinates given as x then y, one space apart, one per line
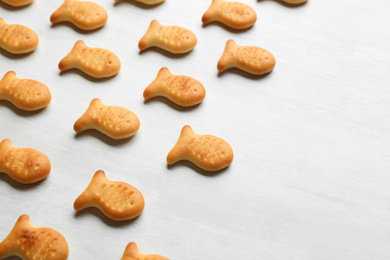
311 173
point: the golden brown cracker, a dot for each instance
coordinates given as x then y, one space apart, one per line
182 90
252 59
132 253
26 94
117 200
174 39
206 151
83 14
25 165
18 3
113 121
96 62
16 38
233 14
33 243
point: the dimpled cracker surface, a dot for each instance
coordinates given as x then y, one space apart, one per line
33 243
117 200
113 121
26 94
182 90
25 165
254 60
96 62
17 39
147 2
85 15
233 14
206 151
132 253
174 39
17 3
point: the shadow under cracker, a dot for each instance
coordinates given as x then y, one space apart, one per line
166 53
171 104
74 27
15 56
19 111
109 222
17 185
13 258
286 4
191 165
243 74
104 138
13 8
138 4
227 28
86 76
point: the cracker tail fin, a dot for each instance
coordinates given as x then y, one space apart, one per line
147 39
153 89
82 123
10 75
209 15
61 13
180 147
6 247
227 58
68 61
83 201
131 251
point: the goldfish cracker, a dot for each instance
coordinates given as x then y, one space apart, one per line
113 121
174 39
254 60
17 39
182 90
132 253
83 14
96 62
233 14
18 3
26 94
30 243
206 151
24 165
117 200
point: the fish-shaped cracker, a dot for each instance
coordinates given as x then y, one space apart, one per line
117 200
252 59
33 243
206 151
233 14
113 121
174 39
16 38
18 3
96 62
182 90
26 94
147 2
132 253
83 14
24 165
